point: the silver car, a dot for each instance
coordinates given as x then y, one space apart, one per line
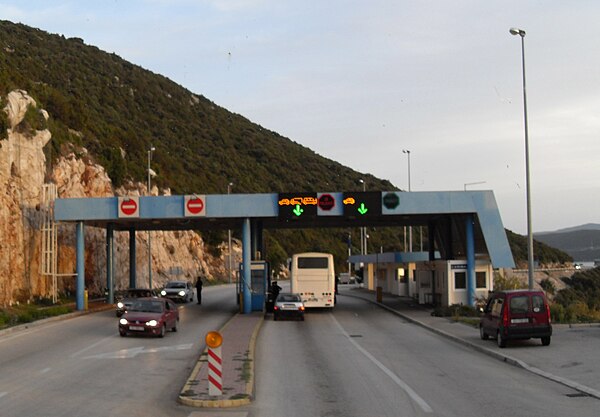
126 298
178 291
288 305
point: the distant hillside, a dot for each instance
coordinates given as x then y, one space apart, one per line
543 253
582 243
587 226
117 110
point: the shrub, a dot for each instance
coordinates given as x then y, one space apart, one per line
455 310
580 312
557 313
548 286
502 282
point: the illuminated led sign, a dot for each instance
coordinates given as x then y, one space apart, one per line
296 206
362 204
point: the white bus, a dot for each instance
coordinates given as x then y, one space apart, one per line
312 276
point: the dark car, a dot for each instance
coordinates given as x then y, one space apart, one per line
125 299
178 291
149 316
288 305
516 314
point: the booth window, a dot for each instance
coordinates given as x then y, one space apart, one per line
480 279
460 280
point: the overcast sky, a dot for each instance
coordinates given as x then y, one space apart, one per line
359 81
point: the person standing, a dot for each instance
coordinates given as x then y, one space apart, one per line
199 290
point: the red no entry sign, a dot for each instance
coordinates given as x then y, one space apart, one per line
129 207
194 205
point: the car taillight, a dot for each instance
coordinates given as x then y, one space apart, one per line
275 308
301 308
548 314
505 316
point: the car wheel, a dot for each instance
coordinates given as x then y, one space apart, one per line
545 341
274 317
163 330
302 317
500 340
174 328
482 333
122 333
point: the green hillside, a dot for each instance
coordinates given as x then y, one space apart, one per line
117 110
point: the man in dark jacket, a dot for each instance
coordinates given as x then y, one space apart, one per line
199 290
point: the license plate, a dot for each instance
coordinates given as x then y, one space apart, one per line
517 321
136 328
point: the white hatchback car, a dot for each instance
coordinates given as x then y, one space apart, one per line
178 291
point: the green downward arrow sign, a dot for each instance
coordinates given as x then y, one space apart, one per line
298 210
362 209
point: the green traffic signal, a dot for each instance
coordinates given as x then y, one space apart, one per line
298 210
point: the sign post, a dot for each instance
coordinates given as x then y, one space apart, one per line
214 340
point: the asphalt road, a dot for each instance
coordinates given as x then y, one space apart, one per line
357 360
82 367
361 361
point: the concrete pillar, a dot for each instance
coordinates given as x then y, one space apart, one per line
80 256
470 248
110 262
247 265
132 258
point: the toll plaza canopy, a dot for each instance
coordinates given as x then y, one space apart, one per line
461 223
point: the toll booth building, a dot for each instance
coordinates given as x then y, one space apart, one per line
443 282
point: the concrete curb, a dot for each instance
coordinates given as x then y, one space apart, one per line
37 323
238 402
496 355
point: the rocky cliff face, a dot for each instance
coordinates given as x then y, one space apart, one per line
23 171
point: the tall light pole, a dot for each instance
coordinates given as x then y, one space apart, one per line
150 175
521 33
229 236
363 230
407 152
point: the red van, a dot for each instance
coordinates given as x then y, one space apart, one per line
516 314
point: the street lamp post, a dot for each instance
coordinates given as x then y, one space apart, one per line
530 270
407 152
229 237
150 174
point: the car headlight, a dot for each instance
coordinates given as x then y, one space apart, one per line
181 293
163 293
152 323
123 322
120 305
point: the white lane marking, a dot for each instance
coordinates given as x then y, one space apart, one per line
2 394
415 397
93 345
133 352
45 370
